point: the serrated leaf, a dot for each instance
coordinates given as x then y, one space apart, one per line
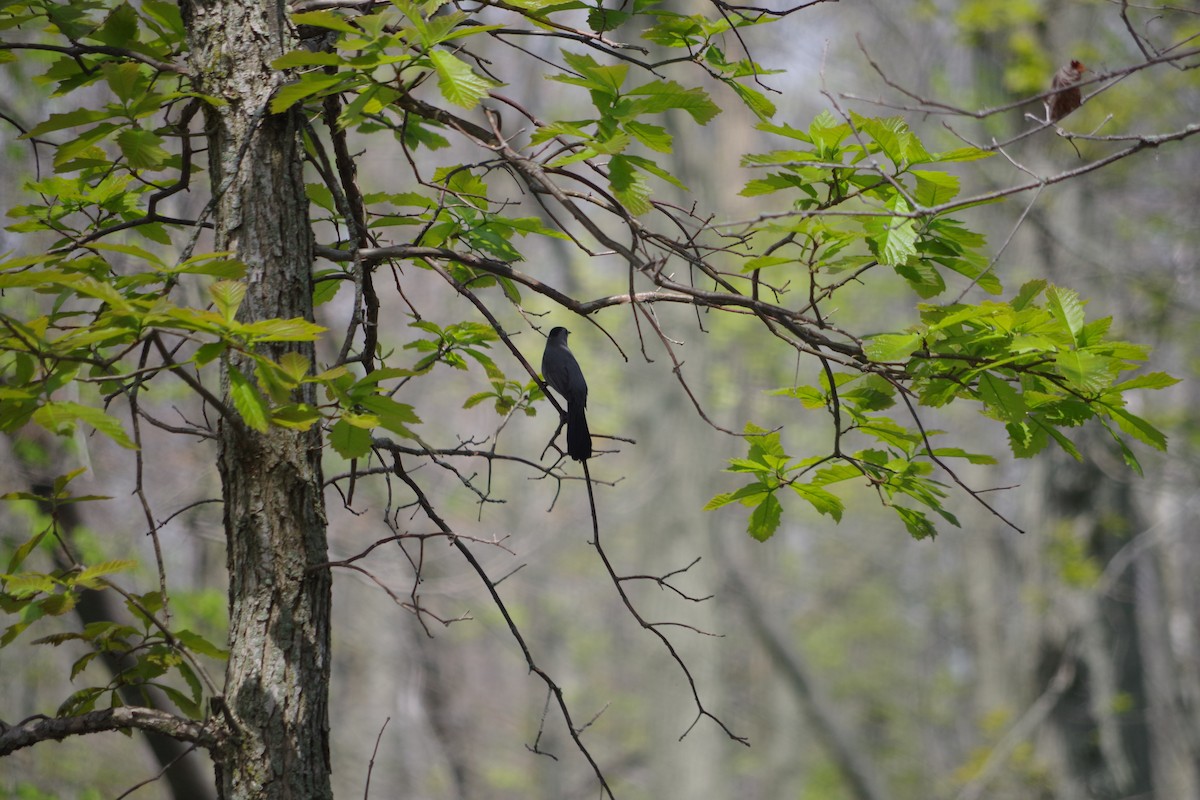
198 644
123 78
1067 308
394 416
1139 428
629 186
22 552
324 19
935 188
653 136
142 149
606 19
764 520
756 101
958 452
823 501
88 575
228 297
248 401
918 525
457 81
120 28
659 96
718 501
296 416
349 441
1001 398
963 154
60 417
1028 293
1151 380
294 365
893 239
1088 371
306 86
892 346
70 119
809 396
282 330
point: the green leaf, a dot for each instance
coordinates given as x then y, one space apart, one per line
308 85
1028 293
198 644
282 330
605 79
70 119
764 520
348 440
1087 371
120 29
325 19
1067 308
606 19
297 416
918 525
396 417
456 80
61 416
248 401
142 149
892 239
228 296
652 136
628 185
1151 380
659 96
123 78
893 346
1139 428
89 575
756 101
935 188
823 501
22 552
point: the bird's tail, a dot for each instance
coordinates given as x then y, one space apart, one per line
579 438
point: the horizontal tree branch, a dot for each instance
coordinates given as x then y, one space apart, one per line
42 729
97 49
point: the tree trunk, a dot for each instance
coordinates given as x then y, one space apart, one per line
277 680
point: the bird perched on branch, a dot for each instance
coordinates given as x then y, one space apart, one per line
562 372
1067 96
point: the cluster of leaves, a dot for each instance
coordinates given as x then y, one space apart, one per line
150 653
862 194
1037 367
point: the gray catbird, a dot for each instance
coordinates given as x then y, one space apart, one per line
562 372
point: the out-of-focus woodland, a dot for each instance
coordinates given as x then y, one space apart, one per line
857 662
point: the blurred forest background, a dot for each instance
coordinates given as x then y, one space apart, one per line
1062 663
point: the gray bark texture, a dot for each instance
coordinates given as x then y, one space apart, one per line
277 679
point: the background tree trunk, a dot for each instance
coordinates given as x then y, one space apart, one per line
277 679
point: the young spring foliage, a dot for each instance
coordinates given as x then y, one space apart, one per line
1033 363
104 295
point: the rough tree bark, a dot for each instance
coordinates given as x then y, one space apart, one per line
278 673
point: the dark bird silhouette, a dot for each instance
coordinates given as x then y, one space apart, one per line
1067 98
562 372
